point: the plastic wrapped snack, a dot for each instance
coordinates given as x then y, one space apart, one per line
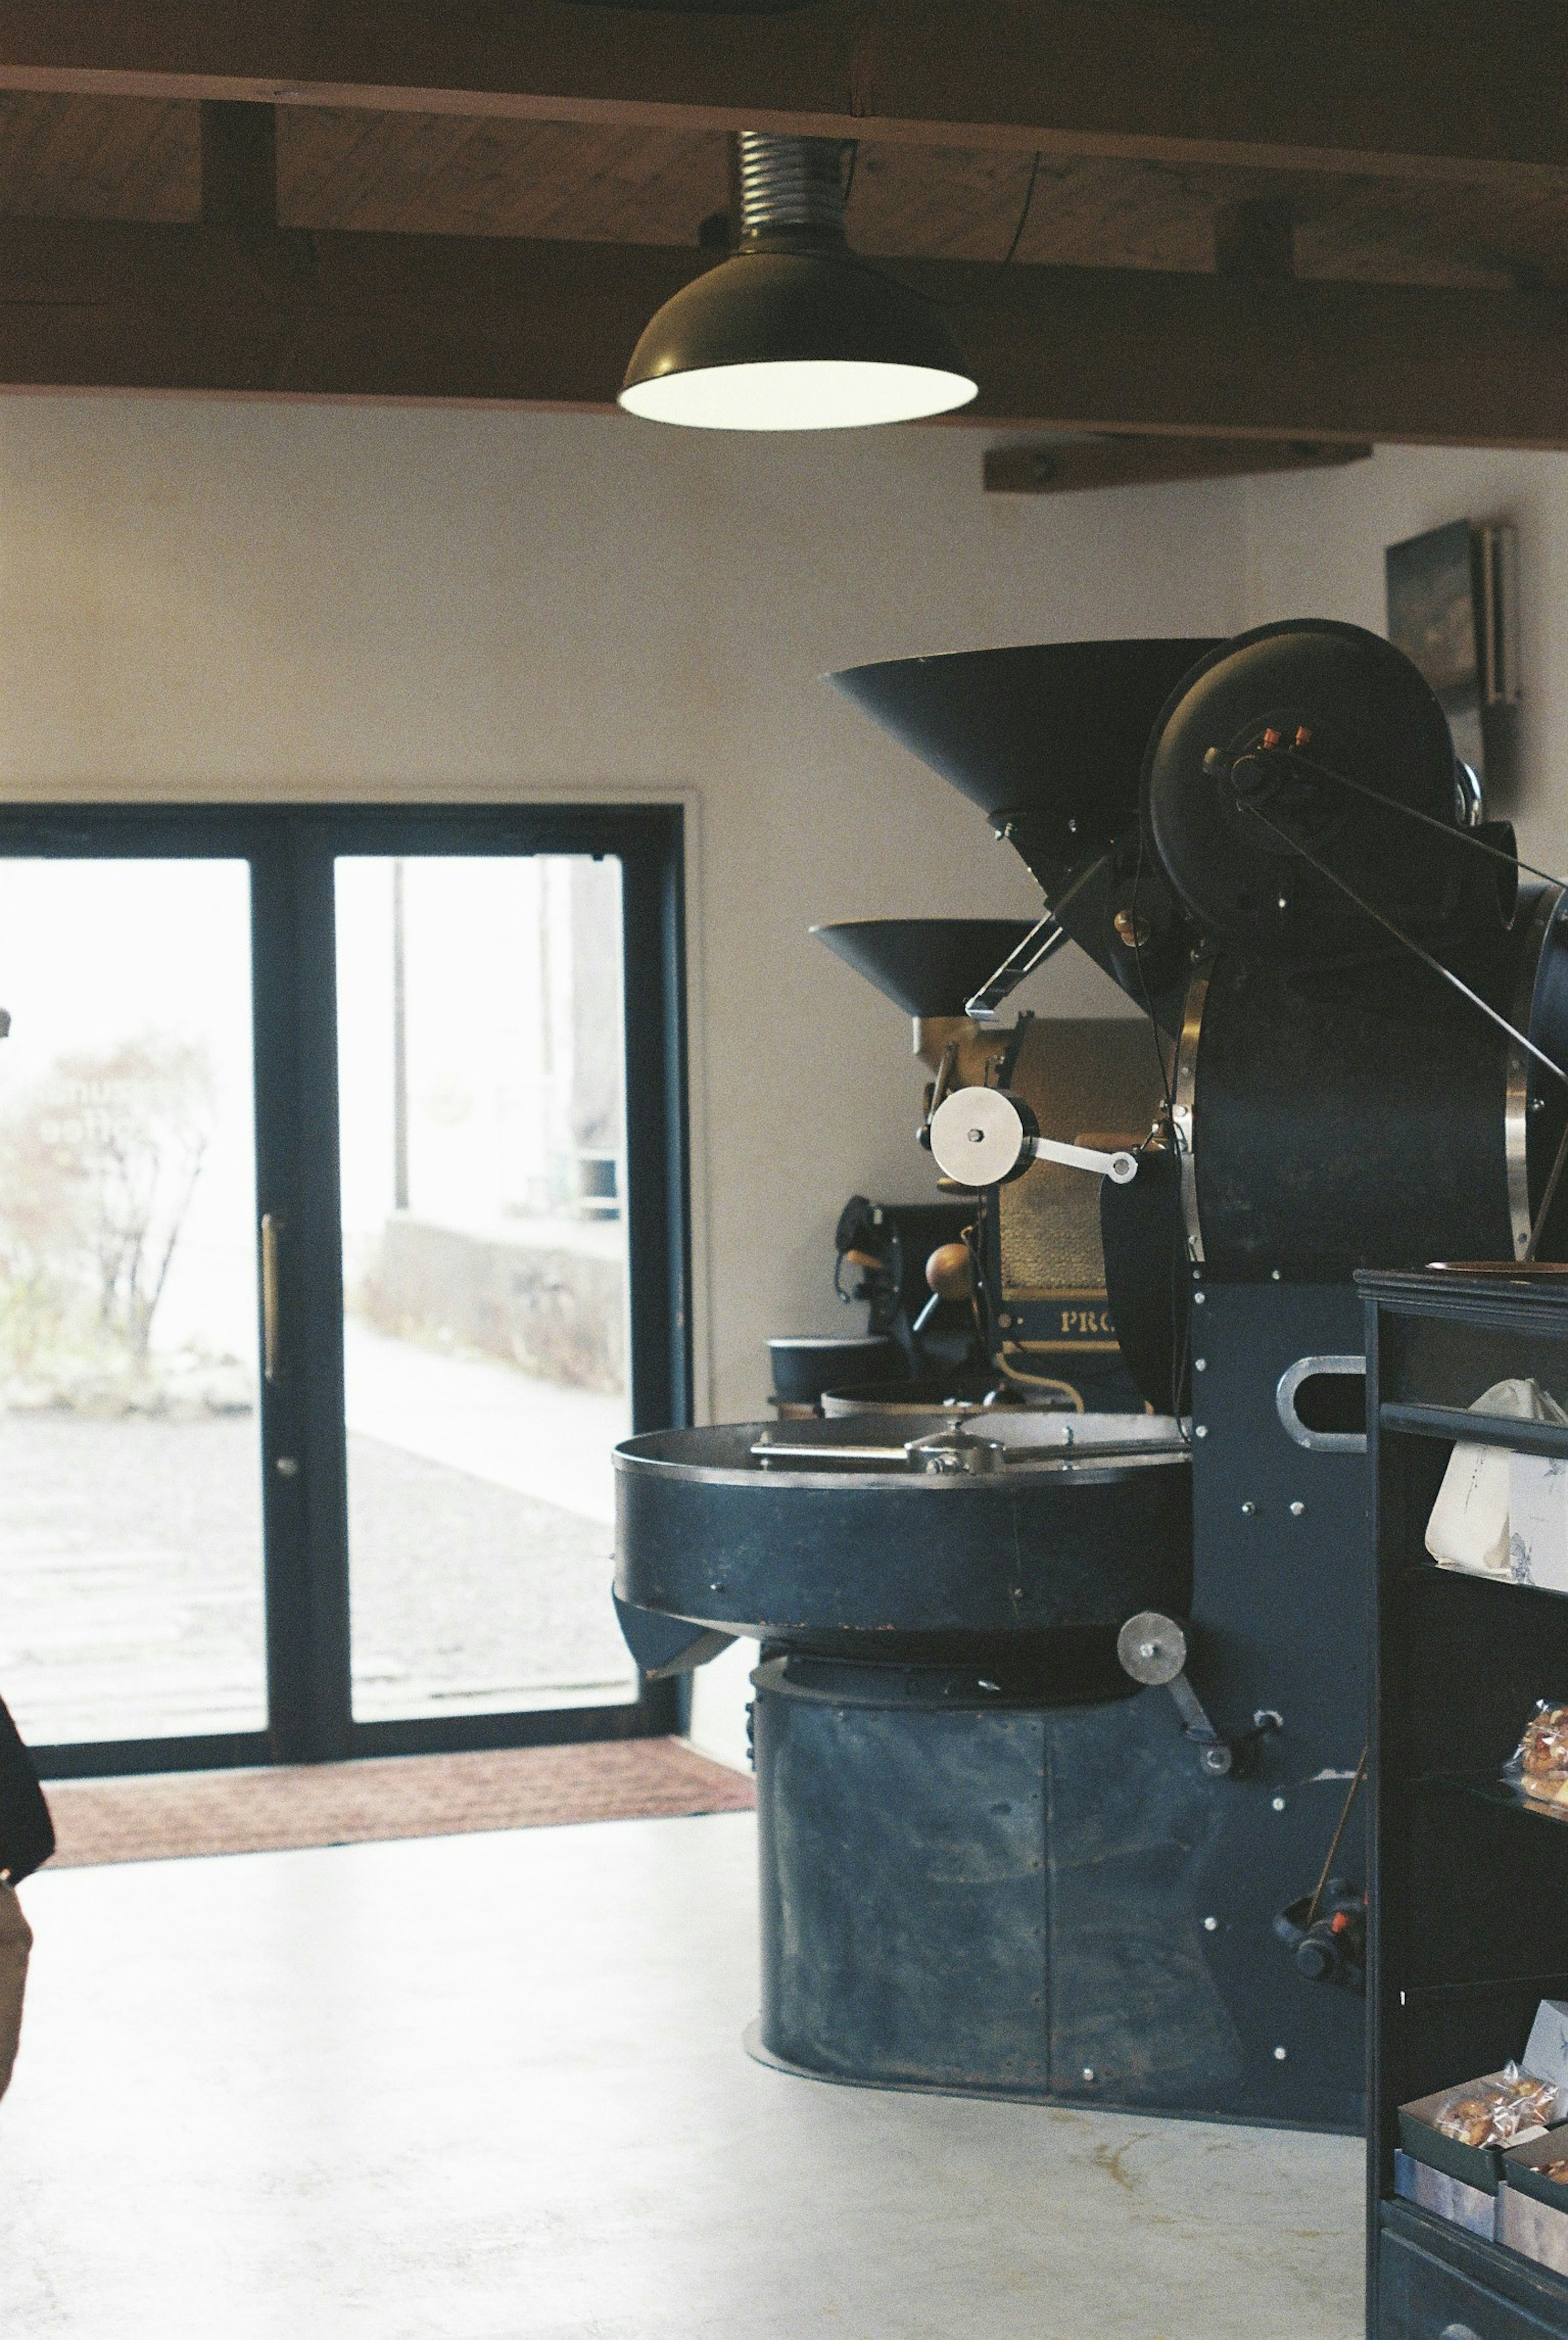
1556 2170
1503 2111
1539 1764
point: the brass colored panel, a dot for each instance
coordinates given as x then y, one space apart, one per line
1079 1076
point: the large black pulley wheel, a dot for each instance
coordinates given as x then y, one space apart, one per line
1281 782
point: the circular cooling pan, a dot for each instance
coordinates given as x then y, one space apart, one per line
1063 1539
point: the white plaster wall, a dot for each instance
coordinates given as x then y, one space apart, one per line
221 599
1314 546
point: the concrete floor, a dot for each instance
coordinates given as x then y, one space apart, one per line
491 2088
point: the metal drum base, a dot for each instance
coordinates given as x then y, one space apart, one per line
756 2047
1002 1900
752 2041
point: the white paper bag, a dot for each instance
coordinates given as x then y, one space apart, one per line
1538 1521
1469 1527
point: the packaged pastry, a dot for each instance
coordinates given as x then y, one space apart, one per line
1539 1764
1469 2119
1502 2111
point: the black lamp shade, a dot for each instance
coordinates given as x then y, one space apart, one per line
780 339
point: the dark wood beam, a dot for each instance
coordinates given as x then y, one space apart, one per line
1071 466
1254 238
117 305
1234 357
239 166
114 305
1422 86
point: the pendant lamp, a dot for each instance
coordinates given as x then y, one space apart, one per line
794 332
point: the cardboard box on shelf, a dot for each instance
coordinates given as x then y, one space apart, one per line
1470 2206
1546 2050
1479 2166
1533 2208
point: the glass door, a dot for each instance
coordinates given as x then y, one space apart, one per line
342 1234
132 1602
482 1168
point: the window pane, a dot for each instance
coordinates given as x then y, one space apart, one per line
484 1274
130 1589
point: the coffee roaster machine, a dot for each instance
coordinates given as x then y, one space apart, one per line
1059 1714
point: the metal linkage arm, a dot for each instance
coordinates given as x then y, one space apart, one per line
1036 947
1152 1648
1119 1167
984 1137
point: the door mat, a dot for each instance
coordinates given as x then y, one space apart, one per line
178 1816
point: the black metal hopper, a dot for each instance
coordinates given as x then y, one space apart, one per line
1058 731
927 966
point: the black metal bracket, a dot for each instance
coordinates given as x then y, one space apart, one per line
1152 1649
666 1646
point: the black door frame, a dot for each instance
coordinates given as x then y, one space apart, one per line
291 850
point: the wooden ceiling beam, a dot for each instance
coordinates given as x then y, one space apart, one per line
122 305
1421 88
1066 467
239 166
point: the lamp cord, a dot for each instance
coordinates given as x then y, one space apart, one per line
1011 251
984 293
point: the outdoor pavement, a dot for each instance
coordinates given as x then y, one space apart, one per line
488 1419
479 1555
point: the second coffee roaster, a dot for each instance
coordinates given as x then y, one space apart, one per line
1059 1721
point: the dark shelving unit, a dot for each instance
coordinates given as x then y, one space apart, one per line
1469 1887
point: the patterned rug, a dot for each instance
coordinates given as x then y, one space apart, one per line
177 1816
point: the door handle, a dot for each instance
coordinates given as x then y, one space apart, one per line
272 1341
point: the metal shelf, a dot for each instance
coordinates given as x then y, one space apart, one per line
1429 1568
1457 1422
1443 2005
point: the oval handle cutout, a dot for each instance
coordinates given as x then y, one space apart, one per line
1322 1402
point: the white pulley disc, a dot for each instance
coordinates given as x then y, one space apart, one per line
978 1138
1152 1648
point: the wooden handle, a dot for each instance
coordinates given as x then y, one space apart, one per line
950 1271
272 1347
